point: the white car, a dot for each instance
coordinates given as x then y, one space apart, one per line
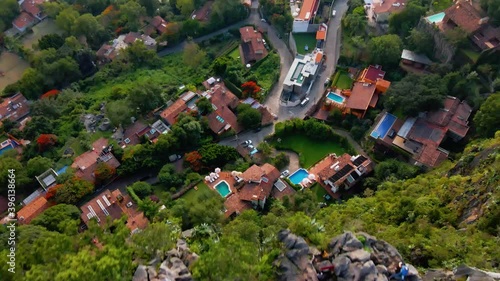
246 143
334 13
263 20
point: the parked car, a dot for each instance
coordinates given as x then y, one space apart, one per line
246 143
251 147
285 173
304 102
258 129
327 81
334 13
263 20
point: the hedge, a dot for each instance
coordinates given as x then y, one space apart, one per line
235 90
134 196
297 187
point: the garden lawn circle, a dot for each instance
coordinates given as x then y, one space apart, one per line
223 188
298 176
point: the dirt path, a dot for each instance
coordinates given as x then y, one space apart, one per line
294 160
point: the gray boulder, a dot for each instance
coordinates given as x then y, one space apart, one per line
140 274
341 265
359 256
295 264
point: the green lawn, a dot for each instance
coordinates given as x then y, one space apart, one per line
471 55
235 54
344 82
192 196
319 191
310 151
441 5
267 72
303 39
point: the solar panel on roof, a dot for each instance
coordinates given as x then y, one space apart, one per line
358 161
49 180
340 174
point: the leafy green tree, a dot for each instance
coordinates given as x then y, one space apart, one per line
73 190
385 49
118 113
265 148
456 36
214 155
395 170
493 9
225 12
36 166
150 5
402 23
281 160
185 6
52 9
131 13
169 177
21 177
193 56
66 19
9 10
140 55
187 131
86 25
149 208
355 24
487 119
159 237
58 218
142 189
31 84
145 96
204 106
50 41
249 117
421 42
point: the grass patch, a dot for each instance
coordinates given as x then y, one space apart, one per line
344 81
161 192
267 72
310 151
470 54
235 53
305 39
320 192
192 196
441 5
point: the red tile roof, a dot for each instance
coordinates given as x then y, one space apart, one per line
453 116
267 174
32 7
223 119
254 173
131 133
221 96
32 210
86 163
464 15
308 10
170 113
361 96
267 117
389 6
113 205
14 108
131 37
252 45
203 13
24 20
371 74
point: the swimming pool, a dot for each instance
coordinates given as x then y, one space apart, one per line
298 176
223 188
437 18
334 97
383 126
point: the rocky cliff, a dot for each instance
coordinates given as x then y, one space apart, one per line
173 267
356 257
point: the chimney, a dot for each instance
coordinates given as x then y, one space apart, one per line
484 20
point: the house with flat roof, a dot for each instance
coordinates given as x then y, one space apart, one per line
464 15
415 61
86 163
32 210
366 90
339 173
112 205
321 35
302 73
14 108
47 179
383 9
252 47
186 102
249 189
304 15
422 136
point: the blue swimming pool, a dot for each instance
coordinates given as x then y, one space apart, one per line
437 18
334 97
223 188
298 176
383 126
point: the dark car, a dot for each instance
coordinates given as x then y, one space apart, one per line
256 130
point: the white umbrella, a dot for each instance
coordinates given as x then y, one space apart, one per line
311 177
305 181
217 170
234 173
212 175
207 178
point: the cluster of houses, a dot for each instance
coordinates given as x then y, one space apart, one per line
31 14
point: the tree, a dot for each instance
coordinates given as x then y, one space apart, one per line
193 56
36 126
58 218
493 9
46 141
194 160
204 106
395 170
86 25
385 49
36 166
159 237
265 148
250 89
169 177
149 208
187 131
10 166
402 23
50 41
185 6
249 117
119 113
281 160
9 10
140 55
142 189
456 36
421 42
66 19
487 119
103 173
355 24
131 13
214 155
150 5
73 190
52 9
31 84
226 12
145 96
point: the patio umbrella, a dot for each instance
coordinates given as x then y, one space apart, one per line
217 170
305 181
207 178
234 173
212 175
311 177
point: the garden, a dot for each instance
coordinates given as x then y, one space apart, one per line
305 39
342 80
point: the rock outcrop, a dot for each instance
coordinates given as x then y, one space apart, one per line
174 266
348 257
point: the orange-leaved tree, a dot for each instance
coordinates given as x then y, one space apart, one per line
51 93
46 141
250 89
194 160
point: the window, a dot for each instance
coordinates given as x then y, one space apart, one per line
127 141
152 131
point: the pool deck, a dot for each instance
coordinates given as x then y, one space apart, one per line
223 176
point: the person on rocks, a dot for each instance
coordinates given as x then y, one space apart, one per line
401 272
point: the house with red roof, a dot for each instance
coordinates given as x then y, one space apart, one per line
86 163
252 48
157 25
133 134
339 173
474 22
224 102
422 136
24 21
109 52
305 16
112 205
32 210
365 91
31 13
383 9
14 108
186 102
203 13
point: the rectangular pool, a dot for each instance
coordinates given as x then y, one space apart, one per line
383 126
298 176
334 97
223 188
437 18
